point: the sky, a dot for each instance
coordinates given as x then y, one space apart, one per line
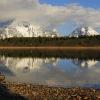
67 27
85 3
63 15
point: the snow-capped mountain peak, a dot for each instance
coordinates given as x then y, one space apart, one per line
83 31
25 29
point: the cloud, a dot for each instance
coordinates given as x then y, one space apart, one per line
48 15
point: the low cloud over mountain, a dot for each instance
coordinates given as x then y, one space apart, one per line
48 15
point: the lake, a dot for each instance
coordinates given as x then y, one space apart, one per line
67 71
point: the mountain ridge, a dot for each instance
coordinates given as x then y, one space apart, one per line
25 29
83 31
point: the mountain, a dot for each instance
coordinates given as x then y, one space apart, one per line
83 31
5 23
25 29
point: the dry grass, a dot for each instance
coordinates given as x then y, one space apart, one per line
49 48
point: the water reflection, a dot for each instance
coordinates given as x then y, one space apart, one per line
51 71
84 63
28 64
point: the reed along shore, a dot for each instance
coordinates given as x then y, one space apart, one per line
48 48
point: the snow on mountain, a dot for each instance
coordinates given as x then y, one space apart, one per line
83 31
25 29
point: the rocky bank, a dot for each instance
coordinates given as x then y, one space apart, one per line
19 91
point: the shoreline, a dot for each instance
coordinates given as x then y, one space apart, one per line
23 91
44 92
47 48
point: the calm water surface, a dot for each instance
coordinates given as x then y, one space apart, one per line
51 71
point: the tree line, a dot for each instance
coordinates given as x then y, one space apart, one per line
49 41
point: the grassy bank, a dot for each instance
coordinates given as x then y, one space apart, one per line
48 48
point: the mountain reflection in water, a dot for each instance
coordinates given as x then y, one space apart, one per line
84 63
51 71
